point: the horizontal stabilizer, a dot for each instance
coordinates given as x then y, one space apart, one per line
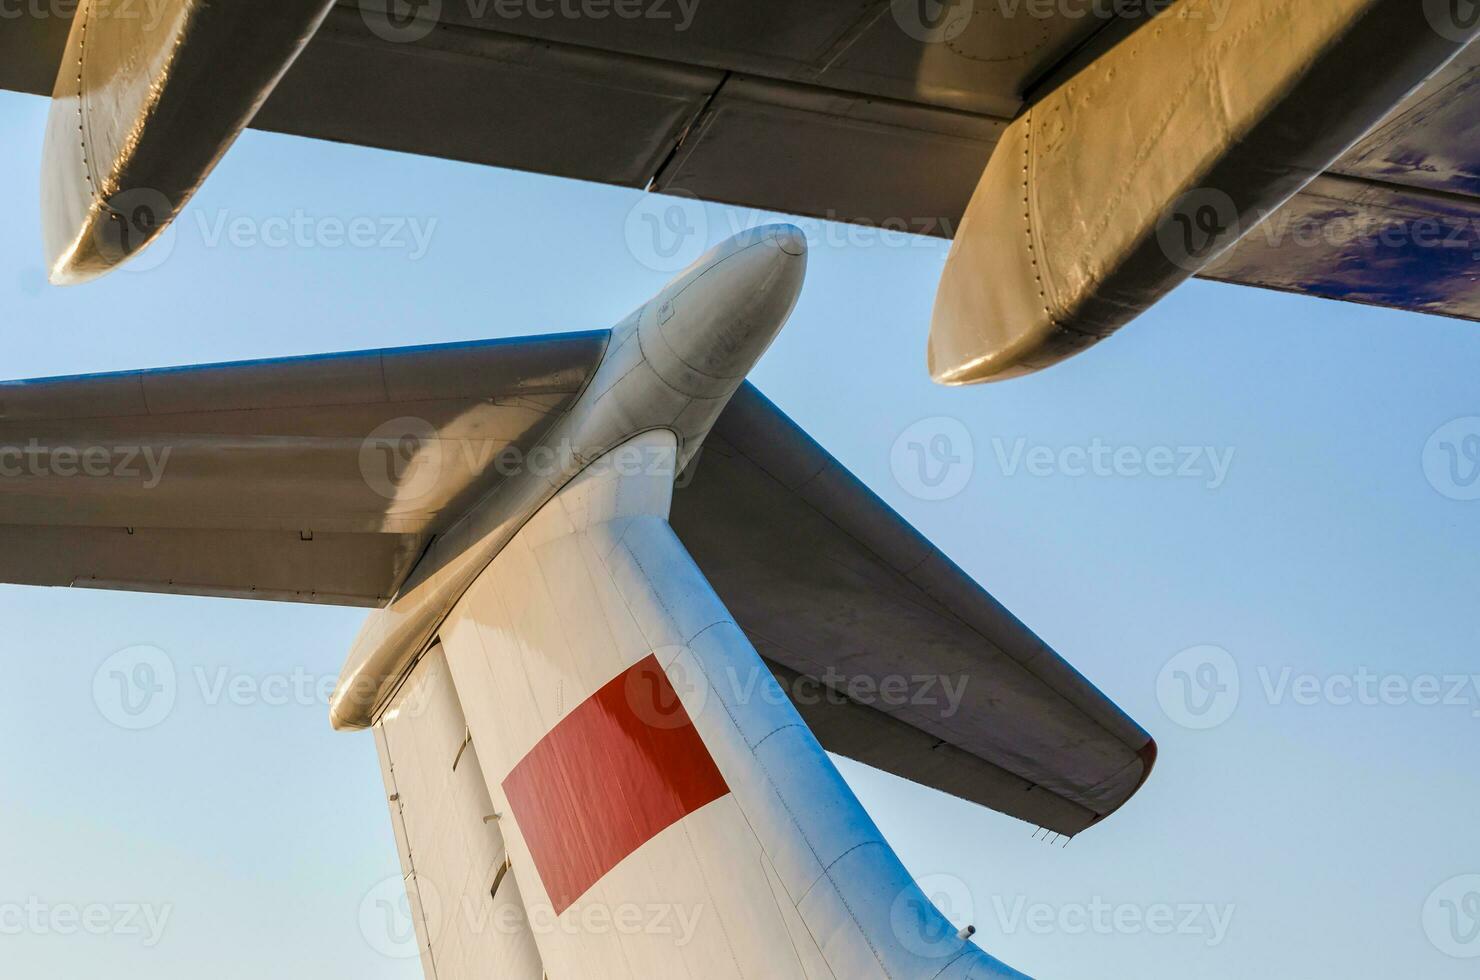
833 586
317 479
324 479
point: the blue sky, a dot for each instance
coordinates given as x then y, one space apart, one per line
1315 545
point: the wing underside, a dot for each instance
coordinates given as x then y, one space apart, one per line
308 479
833 109
834 588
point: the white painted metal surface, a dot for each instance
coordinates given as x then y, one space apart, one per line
672 364
666 810
467 911
783 874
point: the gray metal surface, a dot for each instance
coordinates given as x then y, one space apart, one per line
832 108
314 479
267 480
830 583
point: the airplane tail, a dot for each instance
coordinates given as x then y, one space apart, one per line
660 805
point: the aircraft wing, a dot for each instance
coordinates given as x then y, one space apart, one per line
861 112
830 583
316 479
1396 222
323 479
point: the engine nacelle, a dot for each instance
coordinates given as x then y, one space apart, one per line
1150 161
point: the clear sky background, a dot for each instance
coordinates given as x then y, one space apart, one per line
1298 838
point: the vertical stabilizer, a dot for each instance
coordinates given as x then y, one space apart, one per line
667 812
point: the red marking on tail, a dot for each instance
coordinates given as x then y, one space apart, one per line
623 766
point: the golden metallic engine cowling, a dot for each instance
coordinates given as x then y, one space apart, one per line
1144 166
147 99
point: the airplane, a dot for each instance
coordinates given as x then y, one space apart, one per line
604 670
582 668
